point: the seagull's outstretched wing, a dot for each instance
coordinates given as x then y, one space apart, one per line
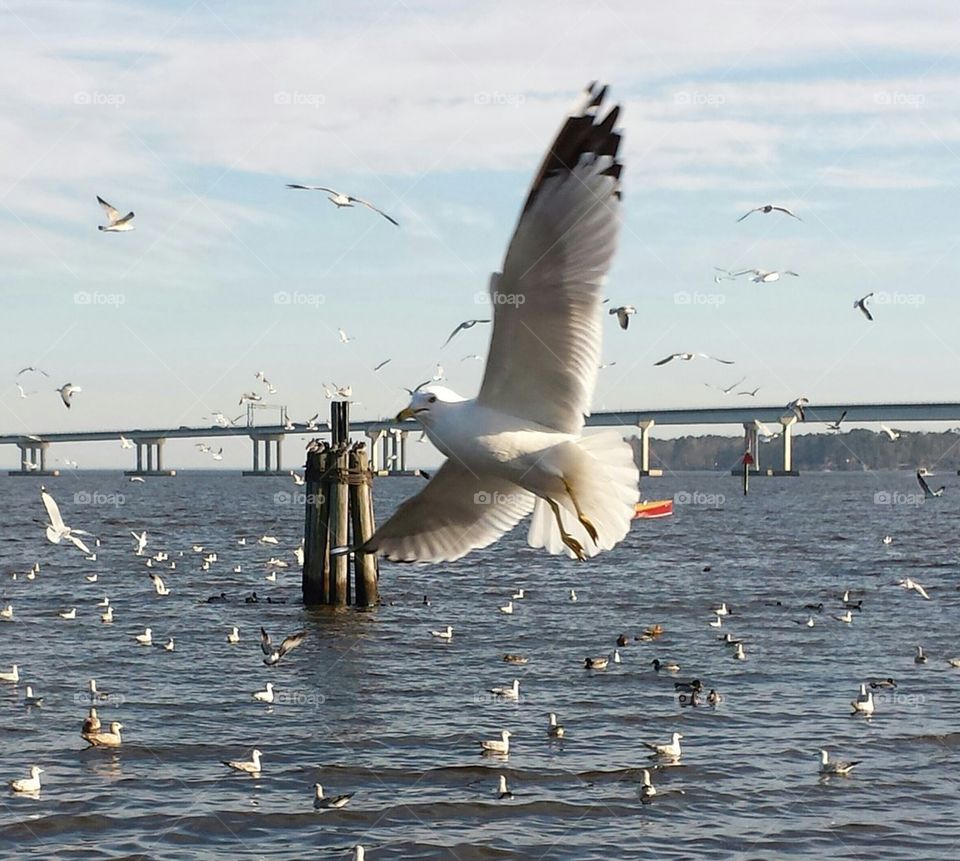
923 485
369 205
266 646
291 642
113 215
455 513
545 349
53 510
313 188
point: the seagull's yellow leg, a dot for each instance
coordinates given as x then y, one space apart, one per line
591 529
565 536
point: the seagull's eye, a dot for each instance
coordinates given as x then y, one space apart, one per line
432 399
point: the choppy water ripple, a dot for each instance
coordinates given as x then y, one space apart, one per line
371 703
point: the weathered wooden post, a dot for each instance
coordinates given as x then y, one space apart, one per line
366 572
339 502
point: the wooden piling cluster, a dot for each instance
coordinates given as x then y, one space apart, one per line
339 515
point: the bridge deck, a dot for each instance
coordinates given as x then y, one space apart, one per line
816 413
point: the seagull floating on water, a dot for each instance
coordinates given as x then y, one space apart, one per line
647 789
333 802
28 784
111 738
501 745
863 704
13 676
251 766
264 696
511 693
503 791
146 638
445 634
671 749
554 729
836 767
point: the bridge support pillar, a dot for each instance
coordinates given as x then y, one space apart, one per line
150 452
33 459
645 427
376 448
751 446
271 463
787 423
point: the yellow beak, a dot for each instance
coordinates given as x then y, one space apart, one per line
405 413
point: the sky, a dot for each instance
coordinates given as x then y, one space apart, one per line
196 114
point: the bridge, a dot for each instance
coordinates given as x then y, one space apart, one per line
388 439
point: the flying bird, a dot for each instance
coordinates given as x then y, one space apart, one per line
66 392
835 426
466 324
796 407
517 448
32 369
727 390
765 276
56 529
928 492
689 357
253 397
117 222
384 362
623 314
890 432
340 200
861 304
751 394
273 653
767 209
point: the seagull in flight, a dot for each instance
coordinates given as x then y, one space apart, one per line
913 586
835 426
249 396
861 304
23 394
767 208
890 432
727 390
519 444
928 492
117 222
66 392
384 362
344 337
765 276
466 324
688 357
796 407
31 368
623 314
273 653
752 394
475 356
57 530
340 200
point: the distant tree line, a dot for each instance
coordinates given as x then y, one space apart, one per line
852 450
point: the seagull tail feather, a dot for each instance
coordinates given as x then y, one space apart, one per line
602 473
